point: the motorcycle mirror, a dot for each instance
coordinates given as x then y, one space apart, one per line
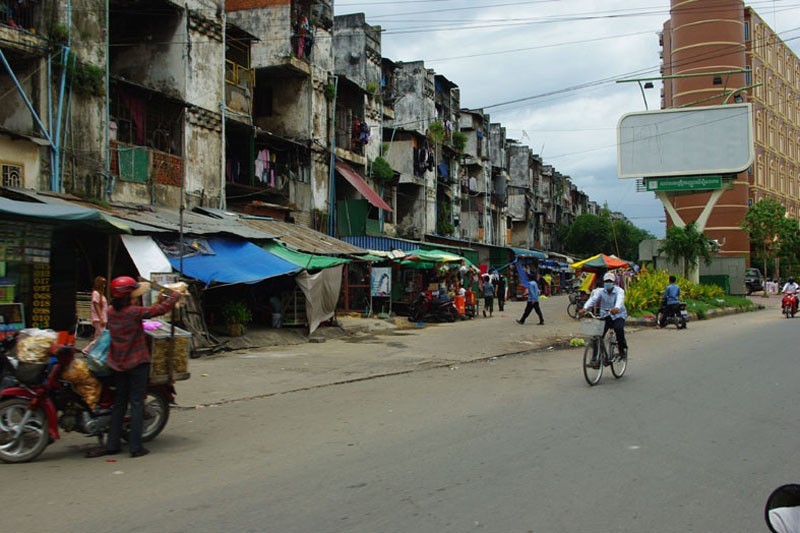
782 511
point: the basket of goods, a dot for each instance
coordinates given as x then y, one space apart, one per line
33 354
83 381
169 354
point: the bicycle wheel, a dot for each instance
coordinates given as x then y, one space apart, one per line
618 363
591 374
572 310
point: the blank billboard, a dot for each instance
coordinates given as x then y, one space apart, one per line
684 142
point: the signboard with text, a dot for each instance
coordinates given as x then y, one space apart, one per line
687 183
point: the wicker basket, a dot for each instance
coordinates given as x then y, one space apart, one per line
593 327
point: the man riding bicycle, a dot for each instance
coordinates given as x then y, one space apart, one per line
611 300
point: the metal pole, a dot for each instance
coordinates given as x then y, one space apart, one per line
224 103
332 181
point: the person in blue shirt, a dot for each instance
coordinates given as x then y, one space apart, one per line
533 303
671 299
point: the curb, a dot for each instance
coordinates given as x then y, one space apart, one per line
650 321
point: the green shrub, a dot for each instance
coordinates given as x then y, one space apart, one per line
382 170
644 293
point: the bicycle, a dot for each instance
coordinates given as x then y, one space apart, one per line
606 348
576 301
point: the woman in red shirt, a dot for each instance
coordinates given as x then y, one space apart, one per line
129 358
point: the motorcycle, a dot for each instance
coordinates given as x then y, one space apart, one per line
782 511
789 304
428 308
42 402
672 314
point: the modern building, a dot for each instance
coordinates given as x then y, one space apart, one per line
723 52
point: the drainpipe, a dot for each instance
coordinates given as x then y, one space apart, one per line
222 109
332 179
107 190
55 176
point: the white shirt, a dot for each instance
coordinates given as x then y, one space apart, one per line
791 287
608 301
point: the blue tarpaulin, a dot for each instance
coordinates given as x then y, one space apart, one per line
234 262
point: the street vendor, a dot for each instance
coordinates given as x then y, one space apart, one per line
129 358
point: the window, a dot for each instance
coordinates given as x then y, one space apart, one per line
747 75
13 175
746 31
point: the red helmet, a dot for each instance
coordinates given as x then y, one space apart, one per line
123 286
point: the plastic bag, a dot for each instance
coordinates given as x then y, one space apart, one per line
33 345
97 354
83 381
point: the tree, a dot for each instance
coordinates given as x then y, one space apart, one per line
588 235
770 231
686 245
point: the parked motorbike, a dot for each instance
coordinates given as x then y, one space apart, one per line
789 304
426 308
32 411
672 314
782 511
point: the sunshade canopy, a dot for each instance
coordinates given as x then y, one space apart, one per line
600 262
303 260
435 256
521 252
234 262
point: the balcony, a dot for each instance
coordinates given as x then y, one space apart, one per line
139 164
18 27
239 91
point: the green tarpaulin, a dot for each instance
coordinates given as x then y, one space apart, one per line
303 260
435 256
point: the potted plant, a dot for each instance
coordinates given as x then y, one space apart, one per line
237 316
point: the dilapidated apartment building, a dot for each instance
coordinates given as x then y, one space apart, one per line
270 107
121 103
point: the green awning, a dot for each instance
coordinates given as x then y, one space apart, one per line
436 256
301 259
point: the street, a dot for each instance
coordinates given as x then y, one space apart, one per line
693 438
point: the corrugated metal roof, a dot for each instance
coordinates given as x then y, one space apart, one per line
303 239
157 219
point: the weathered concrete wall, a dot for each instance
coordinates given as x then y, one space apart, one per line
497 146
273 26
203 162
14 114
86 147
164 69
205 57
290 107
415 108
401 156
519 159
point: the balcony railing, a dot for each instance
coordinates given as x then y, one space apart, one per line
140 164
238 88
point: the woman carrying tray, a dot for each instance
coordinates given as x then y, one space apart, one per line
129 358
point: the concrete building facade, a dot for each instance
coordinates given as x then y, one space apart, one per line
745 61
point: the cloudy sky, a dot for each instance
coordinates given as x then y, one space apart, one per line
547 71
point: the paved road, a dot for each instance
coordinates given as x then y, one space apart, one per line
694 439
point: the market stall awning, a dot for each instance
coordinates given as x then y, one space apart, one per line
435 256
600 261
61 214
303 260
234 262
521 252
146 255
361 186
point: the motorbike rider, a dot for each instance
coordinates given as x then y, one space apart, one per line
611 299
791 288
671 300
129 358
